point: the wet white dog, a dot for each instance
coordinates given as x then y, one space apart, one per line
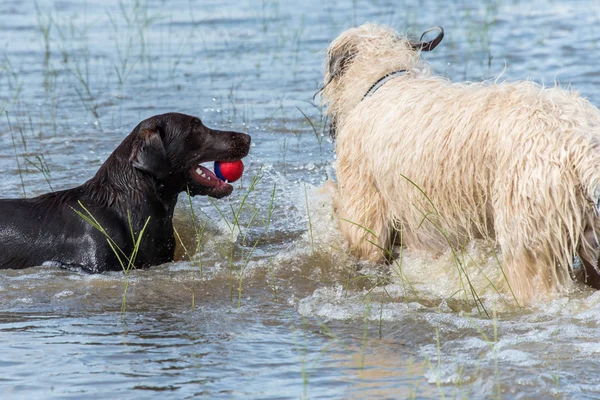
435 163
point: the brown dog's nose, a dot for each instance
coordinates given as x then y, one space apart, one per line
247 140
245 143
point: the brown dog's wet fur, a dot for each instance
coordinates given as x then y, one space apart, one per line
139 183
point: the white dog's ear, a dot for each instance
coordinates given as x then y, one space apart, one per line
339 58
432 44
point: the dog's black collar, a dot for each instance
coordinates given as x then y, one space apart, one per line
382 81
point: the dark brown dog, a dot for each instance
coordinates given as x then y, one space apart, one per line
137 186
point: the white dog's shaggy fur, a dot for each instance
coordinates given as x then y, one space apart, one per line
441 163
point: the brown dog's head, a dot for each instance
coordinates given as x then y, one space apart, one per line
170 147
360 56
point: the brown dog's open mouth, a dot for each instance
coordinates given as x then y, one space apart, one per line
207 178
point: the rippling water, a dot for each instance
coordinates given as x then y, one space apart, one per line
296 316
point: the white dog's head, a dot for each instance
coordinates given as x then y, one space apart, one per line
359 57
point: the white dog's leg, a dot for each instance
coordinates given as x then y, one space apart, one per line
364 221
528 263
527 274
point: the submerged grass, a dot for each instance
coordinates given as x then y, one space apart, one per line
195 255
310 230
461 270
237 229
319 136
42 166
127 262
12 137
306 369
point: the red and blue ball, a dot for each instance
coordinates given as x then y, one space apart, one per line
229 171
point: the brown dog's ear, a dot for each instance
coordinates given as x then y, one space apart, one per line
432 44
148 154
